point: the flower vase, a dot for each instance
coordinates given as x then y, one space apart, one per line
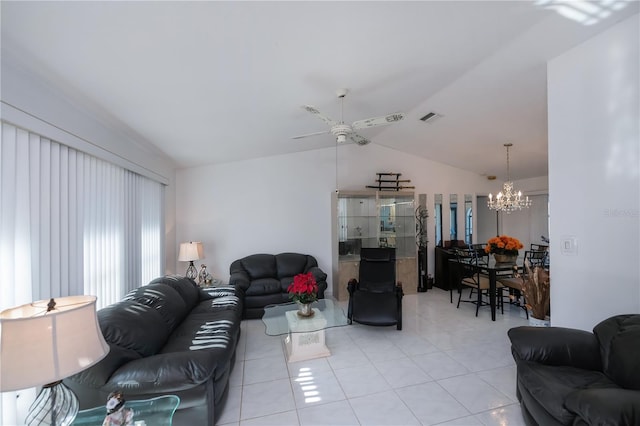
505 258
304 310
535 322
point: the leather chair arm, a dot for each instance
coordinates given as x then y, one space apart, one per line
168 372
240 280
556 346
606 406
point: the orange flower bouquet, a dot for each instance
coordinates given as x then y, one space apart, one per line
503 244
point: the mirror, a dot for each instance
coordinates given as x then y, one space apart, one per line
468 218
453 211
438 218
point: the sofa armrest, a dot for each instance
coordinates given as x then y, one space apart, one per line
318 273
556 346
606 406
168 372
240 280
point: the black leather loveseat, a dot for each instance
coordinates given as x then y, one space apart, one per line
167 338
264 279
574 377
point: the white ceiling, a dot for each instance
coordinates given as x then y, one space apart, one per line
213 82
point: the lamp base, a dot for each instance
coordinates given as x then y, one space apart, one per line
191 271
55 405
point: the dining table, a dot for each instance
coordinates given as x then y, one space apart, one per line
493 270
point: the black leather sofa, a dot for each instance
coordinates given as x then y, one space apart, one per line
575 377
167 338
264 279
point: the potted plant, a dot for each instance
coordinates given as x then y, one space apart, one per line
504 248
536 288
304 291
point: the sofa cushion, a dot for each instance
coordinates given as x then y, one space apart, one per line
292 264
132 325
619 338
188 289
164 299
264 286
606 406
550 385
258 266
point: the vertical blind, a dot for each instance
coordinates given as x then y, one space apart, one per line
72 224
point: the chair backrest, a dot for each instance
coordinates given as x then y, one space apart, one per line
539 247
468 260
536 257
377 269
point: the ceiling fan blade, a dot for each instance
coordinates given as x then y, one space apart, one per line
317 113
310 134
358 139
378 121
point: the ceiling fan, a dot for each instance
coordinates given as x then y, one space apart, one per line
343 131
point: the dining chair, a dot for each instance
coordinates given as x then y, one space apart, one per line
469 260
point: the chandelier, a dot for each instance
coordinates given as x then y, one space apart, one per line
508 199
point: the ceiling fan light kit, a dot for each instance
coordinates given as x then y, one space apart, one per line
347 132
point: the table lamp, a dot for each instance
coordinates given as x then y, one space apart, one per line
42 343
188 253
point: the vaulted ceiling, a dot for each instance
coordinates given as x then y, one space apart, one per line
213 82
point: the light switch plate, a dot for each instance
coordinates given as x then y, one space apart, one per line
569 245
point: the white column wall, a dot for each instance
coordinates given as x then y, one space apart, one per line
594 178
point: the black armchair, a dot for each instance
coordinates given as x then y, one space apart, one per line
376 298
574 377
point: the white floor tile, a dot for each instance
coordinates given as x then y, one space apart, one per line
359 381
474 393
318 388
263 399
510 415
401 372
265 369
439 365
332 414
289 418
503 379
384 408
431 404
231 411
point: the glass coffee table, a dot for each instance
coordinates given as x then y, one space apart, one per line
148 412
305 336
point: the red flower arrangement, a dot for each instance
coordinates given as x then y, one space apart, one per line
304 288
503 244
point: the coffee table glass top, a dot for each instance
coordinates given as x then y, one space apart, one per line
276 324
148 412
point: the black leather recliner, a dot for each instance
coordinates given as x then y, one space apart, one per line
375 298
574 377
264 278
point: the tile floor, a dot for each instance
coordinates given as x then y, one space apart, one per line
446 367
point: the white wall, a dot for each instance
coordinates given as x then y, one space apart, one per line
594 178
283 203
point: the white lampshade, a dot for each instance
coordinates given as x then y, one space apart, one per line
191 251
40 346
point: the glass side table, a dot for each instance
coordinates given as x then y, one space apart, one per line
147 412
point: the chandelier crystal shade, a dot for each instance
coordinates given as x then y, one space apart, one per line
508 199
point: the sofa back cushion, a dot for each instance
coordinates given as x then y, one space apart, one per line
292 264
257 266
133 326
619 338
164 299
186 288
